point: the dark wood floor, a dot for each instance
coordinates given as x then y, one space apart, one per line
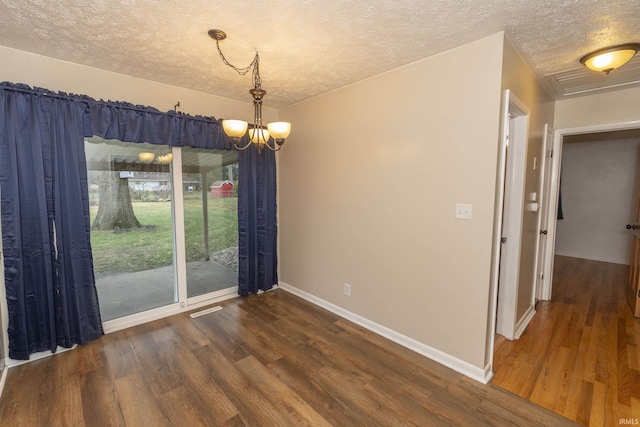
267 360
580 355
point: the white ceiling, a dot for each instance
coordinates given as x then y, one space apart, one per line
309 47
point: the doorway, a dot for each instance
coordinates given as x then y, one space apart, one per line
624 130
580 329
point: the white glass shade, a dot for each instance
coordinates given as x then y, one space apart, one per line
609 59
259 136
235 128
165 159
279 130
146 156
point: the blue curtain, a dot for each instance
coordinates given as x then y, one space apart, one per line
257 226
50 286
51 294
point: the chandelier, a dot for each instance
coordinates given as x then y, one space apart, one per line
259 134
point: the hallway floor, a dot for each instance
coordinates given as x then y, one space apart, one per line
580 355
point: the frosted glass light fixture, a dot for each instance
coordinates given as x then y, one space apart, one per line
610 58
146 156
259 135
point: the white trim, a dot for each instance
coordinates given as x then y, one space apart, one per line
198 300
205 311
559 134
157 313
3 379
516 131
524 321
10 363
179 245
593 258
465 368
497 226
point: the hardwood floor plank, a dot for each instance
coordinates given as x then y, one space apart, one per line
120 355
579 353
100 403
159 374
305 383
203 388
279 394
266 360
256 408
586 399
138 404
597 417
178 407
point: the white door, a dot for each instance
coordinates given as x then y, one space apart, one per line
633 289
544 197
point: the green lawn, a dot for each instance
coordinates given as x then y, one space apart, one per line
152 245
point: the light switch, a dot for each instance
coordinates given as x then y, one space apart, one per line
463 211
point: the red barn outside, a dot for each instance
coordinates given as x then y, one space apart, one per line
222 189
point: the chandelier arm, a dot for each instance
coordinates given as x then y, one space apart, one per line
275 148
242 148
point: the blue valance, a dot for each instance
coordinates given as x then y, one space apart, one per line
138 123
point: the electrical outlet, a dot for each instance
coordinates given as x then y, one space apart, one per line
347 289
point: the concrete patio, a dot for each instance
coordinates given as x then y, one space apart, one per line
128 293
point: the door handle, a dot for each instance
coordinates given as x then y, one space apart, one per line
632 227
543 232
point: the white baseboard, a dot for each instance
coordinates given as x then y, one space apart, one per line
10 363
524 321
592 257
3 379
465 368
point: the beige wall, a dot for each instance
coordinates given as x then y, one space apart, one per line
599 109
369 180
35 70
520 80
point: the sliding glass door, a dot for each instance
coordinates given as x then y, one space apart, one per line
132 226
164 225
210 207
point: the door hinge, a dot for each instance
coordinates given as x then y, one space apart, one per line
551 153
541 276
503 240
639 293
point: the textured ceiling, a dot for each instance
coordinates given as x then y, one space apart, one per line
306 47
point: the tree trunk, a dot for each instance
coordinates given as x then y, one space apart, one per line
115 210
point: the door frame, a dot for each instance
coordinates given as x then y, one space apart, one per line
509 101
515 134
554 189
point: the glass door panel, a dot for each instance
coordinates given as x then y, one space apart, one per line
130 194
210 182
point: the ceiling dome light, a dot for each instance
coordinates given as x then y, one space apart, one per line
610 58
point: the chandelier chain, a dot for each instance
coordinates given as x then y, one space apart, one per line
254 65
